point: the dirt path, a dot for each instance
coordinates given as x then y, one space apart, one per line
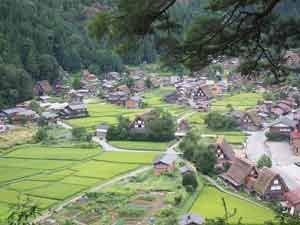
94 189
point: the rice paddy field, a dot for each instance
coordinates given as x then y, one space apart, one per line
141 145
50 175
240 101
209 204
101 112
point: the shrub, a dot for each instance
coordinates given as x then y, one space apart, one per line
79 133
190 179
271 136
264 161
218 121
41 135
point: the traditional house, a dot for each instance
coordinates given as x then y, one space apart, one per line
74 111
113 76
295 141
117 98
251 120
101 131
123 88
283 125
269 185
134 102
202 92
50 117
11 113
28 115
75 98
191 219
42 88
164 164
138 124
224 152
292 200
241 174
139 86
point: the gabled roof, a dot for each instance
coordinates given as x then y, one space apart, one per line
186 169
206 89
264 180
191 219
239 170
103 127
166 159
13 110
225 147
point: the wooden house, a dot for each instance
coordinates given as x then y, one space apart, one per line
187 170
224 152
191 219
117 98
295 141
139 86
202 92
101 131
251 120
171 98
269 185
123 88
42 88
139 123
74 111
12 113
241 174
283 125
292 200
134 102
165 164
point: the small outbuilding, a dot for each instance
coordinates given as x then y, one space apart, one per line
292 202
164 164
101 131
191 219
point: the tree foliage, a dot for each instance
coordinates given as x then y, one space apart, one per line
199 151
258 31
264 161
218 121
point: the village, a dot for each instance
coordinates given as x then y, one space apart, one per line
124 119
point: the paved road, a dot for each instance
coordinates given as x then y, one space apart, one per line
256 147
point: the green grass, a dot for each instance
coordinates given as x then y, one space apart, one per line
128 157
209 204
57 191
27 185
103 170
42 152
85 181
9 174
141 145
238 102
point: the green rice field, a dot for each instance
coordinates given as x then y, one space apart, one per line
209 204
141 145
50 175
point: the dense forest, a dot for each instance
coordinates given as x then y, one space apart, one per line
40 39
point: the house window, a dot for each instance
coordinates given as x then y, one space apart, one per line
276 182
276 188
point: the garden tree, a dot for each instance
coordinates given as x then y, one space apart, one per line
34 105
121 131
199 151
189 181
41 135
76 83
259 31
148 83
79 134
167 217
264 161
161 127
218 121
23 213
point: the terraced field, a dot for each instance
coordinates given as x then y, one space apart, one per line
50 175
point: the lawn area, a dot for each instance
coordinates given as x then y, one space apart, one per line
141 145
238 102
128 157
209 204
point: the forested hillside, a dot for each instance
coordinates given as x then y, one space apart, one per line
40 39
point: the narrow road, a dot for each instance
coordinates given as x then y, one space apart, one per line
94 189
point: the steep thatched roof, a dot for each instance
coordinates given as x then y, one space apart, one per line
225 147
